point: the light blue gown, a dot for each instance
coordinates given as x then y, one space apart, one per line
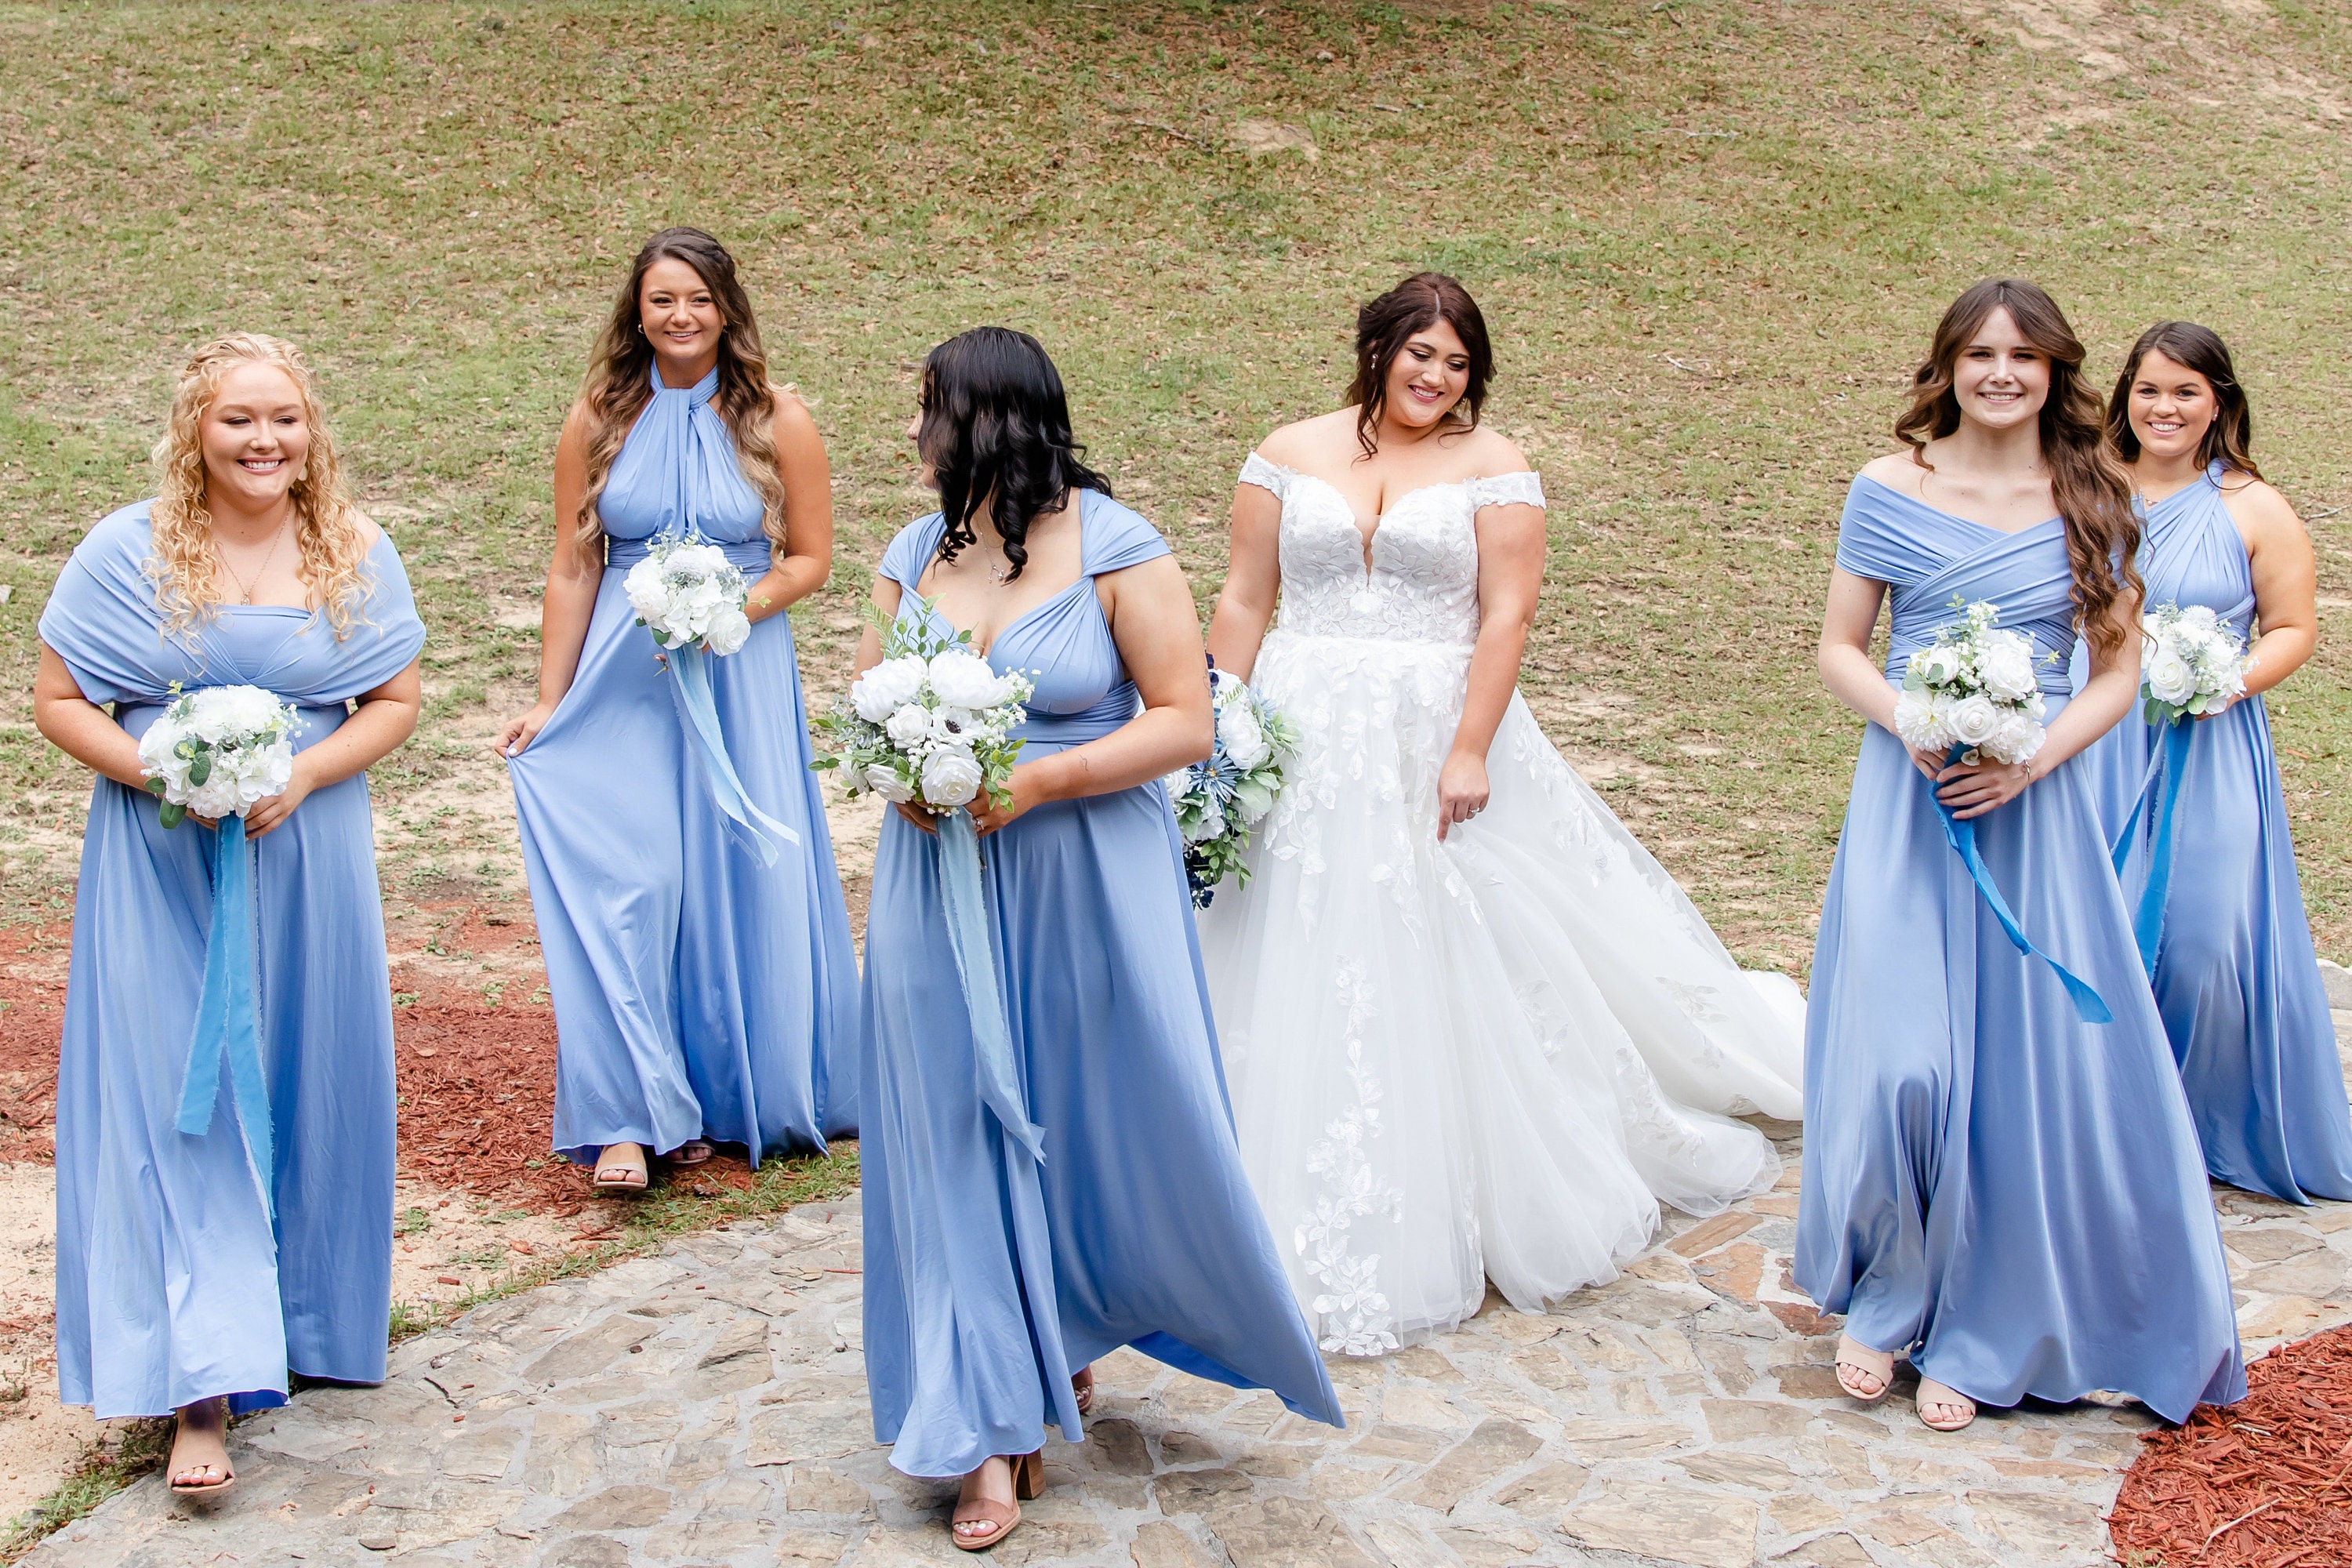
2012 1196
989 1278
698 994
2236 977
172 1283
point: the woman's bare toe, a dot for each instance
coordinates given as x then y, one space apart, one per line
1865 1373
1943 1408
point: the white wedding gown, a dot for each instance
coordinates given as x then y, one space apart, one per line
1484 1059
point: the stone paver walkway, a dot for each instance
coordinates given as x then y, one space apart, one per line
707 1406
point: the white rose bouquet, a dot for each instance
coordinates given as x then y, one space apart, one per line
687 592
1219 803
929 723
2191 664
219 751
1975 687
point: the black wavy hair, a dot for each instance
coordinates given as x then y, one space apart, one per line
996 433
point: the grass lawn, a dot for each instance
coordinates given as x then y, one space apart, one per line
1710 238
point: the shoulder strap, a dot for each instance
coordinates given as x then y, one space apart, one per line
1265 476
909 554
1522 489
1114 538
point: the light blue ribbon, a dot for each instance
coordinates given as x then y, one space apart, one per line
2171 759
1962 836
691 690
229 1013
992 1040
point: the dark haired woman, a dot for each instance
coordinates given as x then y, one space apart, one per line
1998 1184
705 992
993 1277
2235 977
1473 1031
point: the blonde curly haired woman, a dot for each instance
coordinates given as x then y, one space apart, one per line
197 1268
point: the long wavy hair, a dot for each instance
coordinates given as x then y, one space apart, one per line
183 562
2231 437
995 433
2088 482
1382 329
619 382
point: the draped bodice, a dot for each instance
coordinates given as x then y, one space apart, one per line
1062 644
1927 556
679 472
2192 553
103 620
1423 581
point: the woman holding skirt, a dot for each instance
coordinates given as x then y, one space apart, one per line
992 1276
201 1261
2235 975
697 949
2002 1181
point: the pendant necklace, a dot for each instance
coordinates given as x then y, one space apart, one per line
267 562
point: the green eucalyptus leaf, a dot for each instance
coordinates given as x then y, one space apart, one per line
201 767
172 814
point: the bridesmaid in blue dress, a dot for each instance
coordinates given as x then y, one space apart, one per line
698 949
2235 977
2002 1181
184 1283
993 1277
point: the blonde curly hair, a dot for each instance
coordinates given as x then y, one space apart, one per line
183 562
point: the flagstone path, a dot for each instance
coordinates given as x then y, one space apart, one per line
707 1406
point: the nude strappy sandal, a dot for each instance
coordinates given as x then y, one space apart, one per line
1028 1483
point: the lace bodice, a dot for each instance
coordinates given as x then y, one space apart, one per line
1423 582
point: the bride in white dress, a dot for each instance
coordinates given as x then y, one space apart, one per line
1472 1029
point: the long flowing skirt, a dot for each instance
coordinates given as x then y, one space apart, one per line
1138 1229
698 994
172 1284
1489 1058
2015 1193
2236 977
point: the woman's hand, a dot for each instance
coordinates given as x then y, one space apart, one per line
1462 791
522 731
920 815
2217 713
1929 764
1971 789
273 810
1024 786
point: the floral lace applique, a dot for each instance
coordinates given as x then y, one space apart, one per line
1356 1317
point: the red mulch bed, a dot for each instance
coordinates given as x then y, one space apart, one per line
476 1079
2265 1483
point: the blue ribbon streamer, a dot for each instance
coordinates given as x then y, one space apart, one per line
691 690
992 1040
1962 836
2171 759
229 1013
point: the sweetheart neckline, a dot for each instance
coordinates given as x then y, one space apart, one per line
1371 536
1053 598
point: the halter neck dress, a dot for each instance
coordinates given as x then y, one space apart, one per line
698 994
2011 1194
989 1279
2236 977
173 1284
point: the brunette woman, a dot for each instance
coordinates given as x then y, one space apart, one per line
2002 1181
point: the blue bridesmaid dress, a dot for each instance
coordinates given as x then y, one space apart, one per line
2236 977
175 1284
991 1279
2011 1195
698 992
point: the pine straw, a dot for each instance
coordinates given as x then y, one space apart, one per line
2265 1483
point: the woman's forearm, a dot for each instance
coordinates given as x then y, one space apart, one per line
1237 630
1854 678
1493 680
2106 698
1153 744
563 616
378 729
2277 654
787 583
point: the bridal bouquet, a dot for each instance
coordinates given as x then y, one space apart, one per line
219 750
1219 802
685 592
1974 688
929 723
2191 664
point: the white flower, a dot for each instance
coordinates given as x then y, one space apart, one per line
950 777
884 780
1210 826
2016 740
909 727
963 679
1918 723
1973 719
730 629
2007 667
2199 620
1243 736
1177 784
2169 677
1938 665
889 687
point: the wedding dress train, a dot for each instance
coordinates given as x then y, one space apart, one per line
1489 1058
